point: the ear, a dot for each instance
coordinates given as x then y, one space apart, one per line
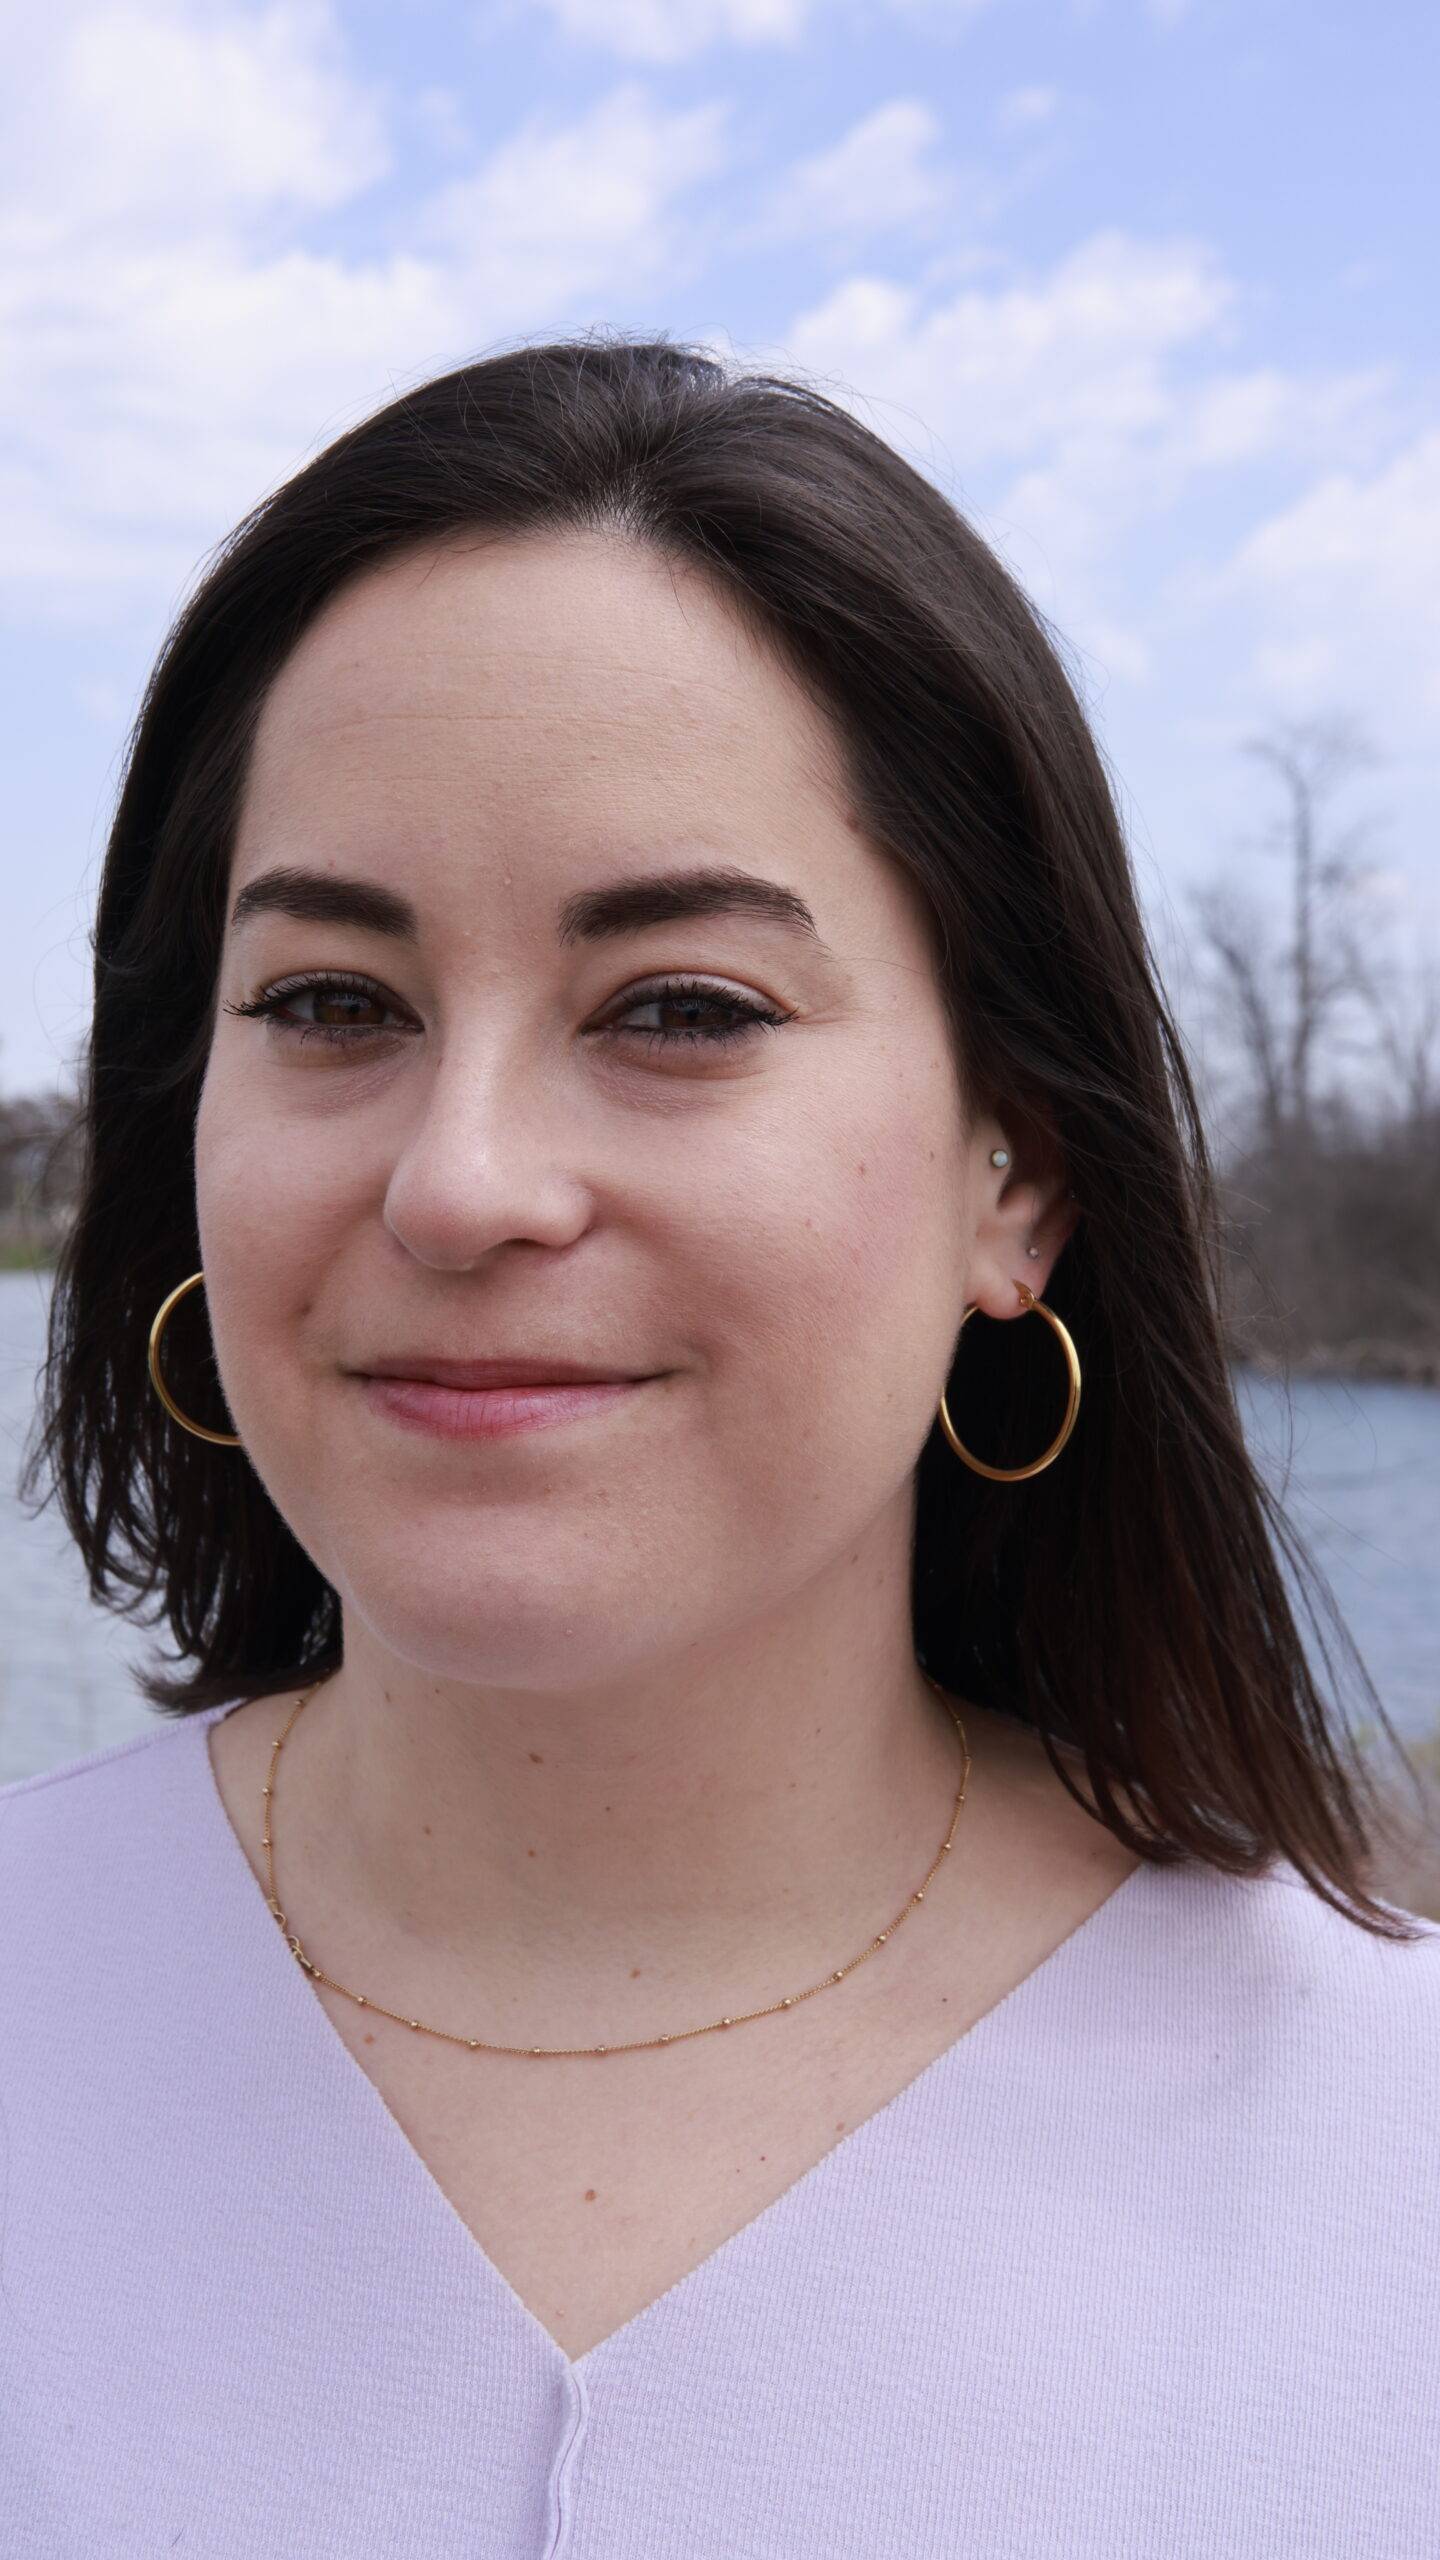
1022 1203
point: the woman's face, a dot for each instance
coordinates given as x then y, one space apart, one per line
511 1149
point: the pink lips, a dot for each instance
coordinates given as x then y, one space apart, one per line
490 1412
542 1371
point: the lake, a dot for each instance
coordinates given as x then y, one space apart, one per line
1358 1465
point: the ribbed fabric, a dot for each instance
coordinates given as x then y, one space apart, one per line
1143 2267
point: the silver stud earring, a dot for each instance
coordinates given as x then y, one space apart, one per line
999 1155
1034 1252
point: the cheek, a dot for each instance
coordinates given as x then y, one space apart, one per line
272 1207
889 1196
259 1167
846 1268
272 1210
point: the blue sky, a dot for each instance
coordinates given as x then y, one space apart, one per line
1145 285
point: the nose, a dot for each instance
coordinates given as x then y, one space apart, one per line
490 1157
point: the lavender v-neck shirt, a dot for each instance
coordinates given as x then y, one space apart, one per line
1144 2267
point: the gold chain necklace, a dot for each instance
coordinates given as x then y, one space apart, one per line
477 2044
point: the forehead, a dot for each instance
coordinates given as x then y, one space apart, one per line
541 670
486 719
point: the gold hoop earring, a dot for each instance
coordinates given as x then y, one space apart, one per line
226 1439
1012 1475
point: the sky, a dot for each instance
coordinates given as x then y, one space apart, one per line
1145 286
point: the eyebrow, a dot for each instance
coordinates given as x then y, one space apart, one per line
592 915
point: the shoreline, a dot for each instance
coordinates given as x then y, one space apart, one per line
1402 1364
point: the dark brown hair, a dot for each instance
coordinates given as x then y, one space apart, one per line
1130 1600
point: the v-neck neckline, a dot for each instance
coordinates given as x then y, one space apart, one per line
1084 1939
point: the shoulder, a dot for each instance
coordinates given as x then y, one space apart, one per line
1262 2003
76 1786
81 1835
1282 1935
1225 1963
1272 1940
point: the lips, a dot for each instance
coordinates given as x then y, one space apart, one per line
498 1372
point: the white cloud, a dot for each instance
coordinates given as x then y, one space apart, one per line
875 178
439 116
1086 399
1235 418
102 699
663 31
669 31
169 371
1111 648
146 111
161 364
1362 275
1020 110
1020 369
1342 588
176 388
168 363
562 209
1073 410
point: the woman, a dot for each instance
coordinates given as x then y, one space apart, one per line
615 952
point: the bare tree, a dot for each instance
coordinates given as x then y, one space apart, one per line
1325 962
1233 932
1332 1198
1283 1001
1404 1014
39 1162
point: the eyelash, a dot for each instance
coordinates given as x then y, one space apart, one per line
747 1017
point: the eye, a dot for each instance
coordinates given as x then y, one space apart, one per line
733 1018
334 987
740 1016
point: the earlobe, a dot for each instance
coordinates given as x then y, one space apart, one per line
1028 1216
1021 1232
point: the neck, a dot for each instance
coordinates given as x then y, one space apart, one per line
747 1813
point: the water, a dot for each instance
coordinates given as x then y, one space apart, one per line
1359 1474
64 1663
1356 1464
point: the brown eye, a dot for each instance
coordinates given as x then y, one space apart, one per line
691 999
333 990
712 1017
